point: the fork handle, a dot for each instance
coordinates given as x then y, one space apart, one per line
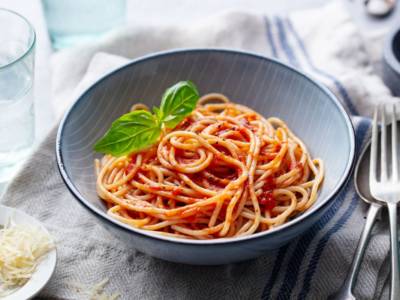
395 284
362 244
345 291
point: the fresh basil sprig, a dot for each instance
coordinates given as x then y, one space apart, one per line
140 129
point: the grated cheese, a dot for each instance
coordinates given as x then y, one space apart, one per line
21 249
96 292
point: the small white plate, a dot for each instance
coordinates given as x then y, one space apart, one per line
46 267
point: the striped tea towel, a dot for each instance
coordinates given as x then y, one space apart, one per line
323 42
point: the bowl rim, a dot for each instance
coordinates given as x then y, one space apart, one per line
153 235
388 51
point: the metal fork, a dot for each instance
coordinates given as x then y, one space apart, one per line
386 188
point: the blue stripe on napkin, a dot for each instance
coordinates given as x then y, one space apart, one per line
275 271
270 38
285 45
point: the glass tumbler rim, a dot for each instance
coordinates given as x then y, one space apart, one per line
29 48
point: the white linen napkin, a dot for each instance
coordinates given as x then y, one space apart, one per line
323 42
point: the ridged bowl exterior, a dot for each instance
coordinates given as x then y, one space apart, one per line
268 86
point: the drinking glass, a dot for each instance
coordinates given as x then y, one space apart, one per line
17 56
71 22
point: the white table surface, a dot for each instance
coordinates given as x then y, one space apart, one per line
163 12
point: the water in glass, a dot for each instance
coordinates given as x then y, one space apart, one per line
16 92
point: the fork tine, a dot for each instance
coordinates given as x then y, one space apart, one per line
383 145
395 167
374 149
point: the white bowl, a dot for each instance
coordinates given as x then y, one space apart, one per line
46 267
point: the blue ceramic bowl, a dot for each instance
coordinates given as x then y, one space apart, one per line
268 86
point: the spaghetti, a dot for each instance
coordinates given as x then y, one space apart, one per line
224 171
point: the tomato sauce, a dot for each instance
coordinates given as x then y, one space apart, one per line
269 184
191 219
177 191
129 168
243 131
269 156
267 199
185 123
155 188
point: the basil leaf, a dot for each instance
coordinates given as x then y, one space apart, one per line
140 129
157 112
132 132
177 102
